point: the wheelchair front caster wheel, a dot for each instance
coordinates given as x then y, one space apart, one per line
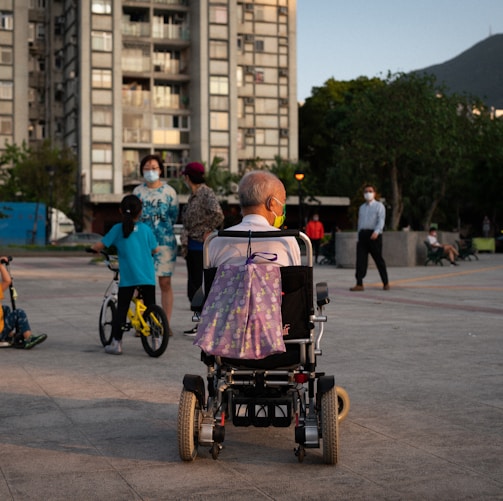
215 450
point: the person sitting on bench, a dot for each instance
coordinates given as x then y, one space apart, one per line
448 250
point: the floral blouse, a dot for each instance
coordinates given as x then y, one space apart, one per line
201 215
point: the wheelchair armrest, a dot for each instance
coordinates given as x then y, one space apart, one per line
322 294
198 301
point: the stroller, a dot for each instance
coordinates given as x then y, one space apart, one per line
279 390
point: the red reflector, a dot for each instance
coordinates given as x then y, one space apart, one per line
301 378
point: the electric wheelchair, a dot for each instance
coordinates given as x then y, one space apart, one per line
279 390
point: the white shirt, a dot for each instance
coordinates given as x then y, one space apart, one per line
372 216
228 250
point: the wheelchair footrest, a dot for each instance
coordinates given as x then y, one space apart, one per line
262 412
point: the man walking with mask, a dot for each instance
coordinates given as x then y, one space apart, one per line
371 219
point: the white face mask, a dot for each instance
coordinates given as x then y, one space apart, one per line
151 176
368 196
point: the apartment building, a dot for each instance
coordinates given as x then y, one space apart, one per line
118 79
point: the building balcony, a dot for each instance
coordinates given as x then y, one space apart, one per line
171 3
136 98
36 79
36 111
135 135
171 32
136 65
136 29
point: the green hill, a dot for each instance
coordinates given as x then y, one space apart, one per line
477 71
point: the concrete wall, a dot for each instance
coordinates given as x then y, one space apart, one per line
400 248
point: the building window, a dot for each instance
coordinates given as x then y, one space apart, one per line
259 75
218 14
6 21
102 7
102 115
102 79
259 45
218 49
219 120
5 125
5 55
219 85
101 40
102 153
222 153
5 90
40 30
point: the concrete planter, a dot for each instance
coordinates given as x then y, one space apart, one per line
400 248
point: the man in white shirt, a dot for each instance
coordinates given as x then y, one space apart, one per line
262 197
371 219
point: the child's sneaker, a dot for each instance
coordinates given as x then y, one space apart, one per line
5 344
114 348
33 340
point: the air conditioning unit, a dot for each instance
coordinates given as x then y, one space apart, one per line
250 132
250 70
283 102
249 6
283 72
283 10
249 100
283 132
249 38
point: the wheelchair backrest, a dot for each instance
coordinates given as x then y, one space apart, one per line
296 299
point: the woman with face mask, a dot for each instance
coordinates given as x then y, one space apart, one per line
200 217
160 212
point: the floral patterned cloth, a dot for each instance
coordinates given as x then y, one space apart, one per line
201 215
160 212
241 317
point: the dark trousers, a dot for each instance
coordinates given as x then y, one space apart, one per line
123 302
194 260
316 248
364 247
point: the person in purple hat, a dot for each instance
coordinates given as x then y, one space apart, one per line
200 217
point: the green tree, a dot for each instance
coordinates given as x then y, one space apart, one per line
410 138
28 179
324 129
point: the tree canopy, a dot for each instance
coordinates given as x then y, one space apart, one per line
420 145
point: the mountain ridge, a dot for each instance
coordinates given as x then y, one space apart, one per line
477 71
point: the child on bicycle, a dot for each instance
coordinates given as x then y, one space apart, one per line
12 321
135 243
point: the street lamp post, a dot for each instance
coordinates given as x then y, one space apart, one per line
48 223
299 176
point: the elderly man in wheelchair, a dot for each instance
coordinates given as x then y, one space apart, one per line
257 334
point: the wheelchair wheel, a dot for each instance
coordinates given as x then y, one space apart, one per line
156 342
189 412
330 426
107 317
343 403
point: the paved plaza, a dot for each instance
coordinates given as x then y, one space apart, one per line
422 363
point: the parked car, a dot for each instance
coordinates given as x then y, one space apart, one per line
75 239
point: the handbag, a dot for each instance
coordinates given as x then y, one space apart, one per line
241 317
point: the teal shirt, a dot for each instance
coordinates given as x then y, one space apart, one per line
135 254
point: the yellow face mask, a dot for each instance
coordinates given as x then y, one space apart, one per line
279 220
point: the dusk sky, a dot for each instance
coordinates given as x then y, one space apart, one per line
346 39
